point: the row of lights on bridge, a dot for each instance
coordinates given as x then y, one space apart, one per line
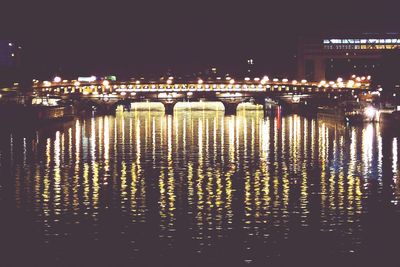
354 82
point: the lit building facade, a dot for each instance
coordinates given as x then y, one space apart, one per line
329 58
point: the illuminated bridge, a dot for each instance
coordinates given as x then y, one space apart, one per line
229 92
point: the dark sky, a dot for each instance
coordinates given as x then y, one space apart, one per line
131 37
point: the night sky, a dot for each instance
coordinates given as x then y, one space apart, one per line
149 37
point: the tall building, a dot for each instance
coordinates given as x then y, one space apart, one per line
342 56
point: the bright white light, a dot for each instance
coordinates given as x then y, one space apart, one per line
87 79
303 81
295 99
256 79
106 83
169 81
46 83
57 79
285 80
231 81
247 79
370 112
200 81
190 93
350 83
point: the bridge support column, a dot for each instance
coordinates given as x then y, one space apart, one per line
169 108
230 108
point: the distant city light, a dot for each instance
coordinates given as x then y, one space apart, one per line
46 83
87 79
57 79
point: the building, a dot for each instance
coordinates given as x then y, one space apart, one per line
10 61
342 56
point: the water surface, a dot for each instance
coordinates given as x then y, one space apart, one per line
199 189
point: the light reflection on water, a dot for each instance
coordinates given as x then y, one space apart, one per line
183 187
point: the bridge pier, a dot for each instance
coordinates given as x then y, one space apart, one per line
230 108
169 108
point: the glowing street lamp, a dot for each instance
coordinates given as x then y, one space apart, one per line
57 79
200 81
